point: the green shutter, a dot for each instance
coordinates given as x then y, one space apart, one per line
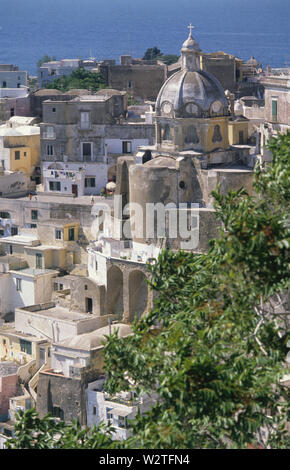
274 110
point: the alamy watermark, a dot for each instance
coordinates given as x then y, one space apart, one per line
150 221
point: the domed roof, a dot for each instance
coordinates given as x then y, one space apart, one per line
94 339
161 161
190 43
77 92
191 92
47 92
252 61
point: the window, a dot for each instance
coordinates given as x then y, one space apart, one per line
34 214
7 432
126 146
4 215
12 112
109 415
89 305
38 260
96 266
24 153
55 286
14 230
58 234
87 151
54 185
85 120
53 110
71 234
17 154
25 346
33 226
11 249
122 422
57 412
90 182
18 284
130 84
42 355
94 410
241 137
217 137
274 110
4 84
49 150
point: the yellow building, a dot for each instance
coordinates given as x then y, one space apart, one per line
20 150
22 348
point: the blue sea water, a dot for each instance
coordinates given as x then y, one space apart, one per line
108 28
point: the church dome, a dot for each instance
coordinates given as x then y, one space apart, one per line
252 61
191 92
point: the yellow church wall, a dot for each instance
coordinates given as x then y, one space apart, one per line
209 145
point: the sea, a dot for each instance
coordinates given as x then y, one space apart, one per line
106 29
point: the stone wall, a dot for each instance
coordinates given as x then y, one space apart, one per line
140 81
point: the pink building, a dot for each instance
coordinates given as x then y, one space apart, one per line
8 386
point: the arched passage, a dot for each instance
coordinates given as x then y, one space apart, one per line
115 291
138 294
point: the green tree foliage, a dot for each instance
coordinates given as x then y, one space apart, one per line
169 59
45 58
31 432
211 347
153 53
79 78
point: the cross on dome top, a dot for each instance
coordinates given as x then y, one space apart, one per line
190 27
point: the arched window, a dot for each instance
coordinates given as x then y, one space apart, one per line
217 137
191 135
167 133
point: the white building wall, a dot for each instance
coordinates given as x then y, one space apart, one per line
24 297
55 328
97 413
4 155
97 170
43 289
59 360
116 146
6 304
13 183
99 275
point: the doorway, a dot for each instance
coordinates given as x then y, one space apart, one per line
89 305
74 189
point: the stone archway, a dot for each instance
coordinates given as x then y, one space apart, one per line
115 291
138 294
